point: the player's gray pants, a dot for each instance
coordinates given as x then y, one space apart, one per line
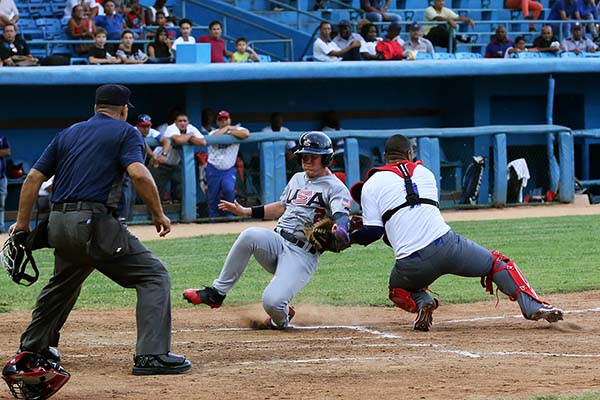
140 269
452 254
291 267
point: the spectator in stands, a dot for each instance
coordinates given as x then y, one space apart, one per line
14 51
91 8
127 52
4 153
439 35
276 124
218 50
221 171
159 51
291 163
185 27
144 126
159 5
370 37
324 49
99 54
564 10
180 132
526 5
111 21
497 47
243 53
9 13
81 28
518 47
377 11
577 42
345 38
589 11
390 48
547 42
134 15
362 22
330 121
208 121
416 43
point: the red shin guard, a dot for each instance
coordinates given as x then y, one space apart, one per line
501 263
402 299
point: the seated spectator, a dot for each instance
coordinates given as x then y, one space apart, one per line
499 44
577 42
243 53
547 42
111 21
344 38
185 27
81 28
377 11
564 10
369 34
416 43
159 5
393 31
589 11
180 132
208 120
526 5
324 49
9 13
14 50
134 15
159 51
439 35
91 8
390 48
218 50
127 52
518 47
99 54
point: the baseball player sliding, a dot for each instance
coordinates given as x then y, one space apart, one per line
285 252
400 200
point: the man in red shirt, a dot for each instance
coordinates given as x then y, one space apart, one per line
218 51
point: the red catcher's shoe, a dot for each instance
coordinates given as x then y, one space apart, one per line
208 296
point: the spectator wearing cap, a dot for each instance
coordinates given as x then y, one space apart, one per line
218 50
369 34
577 42
324 49
497 47
417 43
345 38
220 170
152 138
439 35
377 11
9 13
546 42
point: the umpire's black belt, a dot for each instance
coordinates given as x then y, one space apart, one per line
77 206
297 241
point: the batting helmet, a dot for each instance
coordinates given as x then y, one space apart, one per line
15 256
31 376
315 142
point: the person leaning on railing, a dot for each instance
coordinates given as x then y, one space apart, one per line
99 54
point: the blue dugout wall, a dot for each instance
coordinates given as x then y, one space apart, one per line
367 96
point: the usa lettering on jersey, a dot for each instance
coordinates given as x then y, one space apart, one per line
307 198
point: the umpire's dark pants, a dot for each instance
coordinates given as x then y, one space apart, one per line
68 234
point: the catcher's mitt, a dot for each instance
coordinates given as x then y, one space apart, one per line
14 257
323 239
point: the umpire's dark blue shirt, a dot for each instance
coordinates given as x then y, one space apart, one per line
89 157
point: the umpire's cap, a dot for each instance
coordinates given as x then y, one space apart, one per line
113 94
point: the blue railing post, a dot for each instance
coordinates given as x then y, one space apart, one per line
279 170
500 170
567 167
429 152
267 178
351 161
188 171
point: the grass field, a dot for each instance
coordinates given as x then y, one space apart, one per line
558 254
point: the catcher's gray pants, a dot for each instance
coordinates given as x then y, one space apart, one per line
291 267
452 254
140 269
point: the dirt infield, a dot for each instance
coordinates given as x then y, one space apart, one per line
474 351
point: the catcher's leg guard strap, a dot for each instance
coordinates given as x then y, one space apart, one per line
503 263
403 299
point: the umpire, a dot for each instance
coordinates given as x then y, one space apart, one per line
89 160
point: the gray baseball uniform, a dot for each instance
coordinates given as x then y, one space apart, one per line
292 265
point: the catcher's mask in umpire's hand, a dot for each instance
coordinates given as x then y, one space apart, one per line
32 376
15 256
315 142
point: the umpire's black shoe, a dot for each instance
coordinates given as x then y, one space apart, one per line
208 296
424 318
162 364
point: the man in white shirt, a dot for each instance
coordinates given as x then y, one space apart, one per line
220 170
185 27
400 201
577 42
9 13
324 49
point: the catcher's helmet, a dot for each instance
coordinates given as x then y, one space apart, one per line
32 376
315 142
15 256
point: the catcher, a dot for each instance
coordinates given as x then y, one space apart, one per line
290 252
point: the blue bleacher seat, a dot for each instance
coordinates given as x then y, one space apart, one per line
26 23
526 54
308 58
443 56
423 56
264 58
569 54
79 61
591 54
466 55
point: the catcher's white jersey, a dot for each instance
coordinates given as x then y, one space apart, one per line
308 200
